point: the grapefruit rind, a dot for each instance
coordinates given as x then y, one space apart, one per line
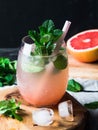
83 55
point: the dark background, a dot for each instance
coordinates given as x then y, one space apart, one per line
18 16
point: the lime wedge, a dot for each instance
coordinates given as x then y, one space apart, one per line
32 65
31 68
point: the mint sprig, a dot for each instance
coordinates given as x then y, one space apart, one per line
7 71
10 108
45 38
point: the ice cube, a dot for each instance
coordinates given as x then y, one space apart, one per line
65 110
27 49
43 116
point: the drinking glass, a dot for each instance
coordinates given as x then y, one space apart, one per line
39 82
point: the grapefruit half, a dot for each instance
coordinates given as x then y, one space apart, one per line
84 46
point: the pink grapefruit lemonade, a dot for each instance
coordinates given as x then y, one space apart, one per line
43 86
41 74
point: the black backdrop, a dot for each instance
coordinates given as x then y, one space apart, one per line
18 16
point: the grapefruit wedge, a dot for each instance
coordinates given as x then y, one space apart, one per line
84 46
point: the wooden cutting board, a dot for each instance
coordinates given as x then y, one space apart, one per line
6 123
82 70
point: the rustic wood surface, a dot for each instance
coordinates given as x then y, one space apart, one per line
82 70
80 115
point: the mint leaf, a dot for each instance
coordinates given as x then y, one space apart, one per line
92 105
56 34
48 25
9 79
34 36
60 62
45 38
10 108
74 86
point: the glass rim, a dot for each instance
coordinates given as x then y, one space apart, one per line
44 56
27 40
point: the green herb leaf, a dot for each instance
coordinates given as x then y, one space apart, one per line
7 71
56 34
74 86
0 84
10 108
60 62
48 25
92 105
45 38
34 36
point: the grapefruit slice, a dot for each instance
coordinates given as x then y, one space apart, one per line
84 46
